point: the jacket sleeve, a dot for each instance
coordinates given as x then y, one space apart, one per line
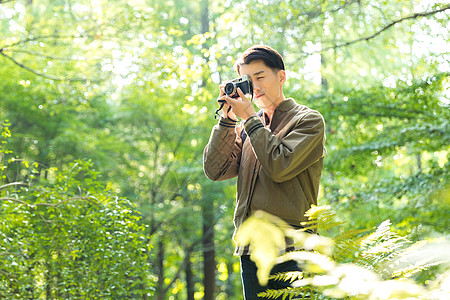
222 154
285 158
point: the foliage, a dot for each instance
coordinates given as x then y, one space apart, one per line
67 237
396 164
130 86
371 264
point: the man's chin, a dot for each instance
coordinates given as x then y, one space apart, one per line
258 102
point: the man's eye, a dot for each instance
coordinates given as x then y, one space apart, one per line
259 78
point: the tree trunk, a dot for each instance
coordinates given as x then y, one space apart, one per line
160 270
209 265
323 80
230 288
189 276
419 162
48 281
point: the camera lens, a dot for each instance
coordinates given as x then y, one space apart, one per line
230 88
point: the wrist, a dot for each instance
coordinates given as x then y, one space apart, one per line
250 118
252 124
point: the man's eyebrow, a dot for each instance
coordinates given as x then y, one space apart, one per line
257 73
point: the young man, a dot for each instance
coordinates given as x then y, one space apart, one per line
276 153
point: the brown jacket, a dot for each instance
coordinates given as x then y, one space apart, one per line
278 168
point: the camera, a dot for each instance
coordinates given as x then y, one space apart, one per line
242 82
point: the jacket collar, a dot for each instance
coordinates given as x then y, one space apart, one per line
286 105
280 110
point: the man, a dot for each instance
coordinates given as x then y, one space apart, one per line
276 153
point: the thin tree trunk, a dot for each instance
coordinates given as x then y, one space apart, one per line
419 162
189 276
160 270
230 288
209 265
48 281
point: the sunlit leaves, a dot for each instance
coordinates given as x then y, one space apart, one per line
267 240
360 271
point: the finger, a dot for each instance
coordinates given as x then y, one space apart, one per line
228 100
241 94
221 89
221 97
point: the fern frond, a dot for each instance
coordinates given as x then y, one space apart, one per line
346 244
287 276
369 250
385 248
412 269
289 293
383 231
323 217
414 259
316 212
272 294
345 236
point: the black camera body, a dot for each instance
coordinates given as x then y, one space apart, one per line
243 83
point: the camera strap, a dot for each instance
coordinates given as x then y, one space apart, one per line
222 103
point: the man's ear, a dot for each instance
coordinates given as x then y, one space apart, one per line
282 76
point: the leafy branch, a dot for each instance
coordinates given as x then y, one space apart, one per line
13 184
367 38
38 54
50 204
319 11
31 38
39 73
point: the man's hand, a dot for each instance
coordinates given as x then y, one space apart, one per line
241 107
230 114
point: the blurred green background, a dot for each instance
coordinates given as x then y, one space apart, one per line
106 107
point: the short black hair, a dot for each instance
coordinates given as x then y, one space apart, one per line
268 55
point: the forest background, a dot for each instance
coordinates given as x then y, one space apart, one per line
106 106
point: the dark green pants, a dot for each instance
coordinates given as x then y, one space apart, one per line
250 280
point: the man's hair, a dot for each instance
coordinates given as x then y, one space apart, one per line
269 56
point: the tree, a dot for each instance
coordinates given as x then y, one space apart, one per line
131 87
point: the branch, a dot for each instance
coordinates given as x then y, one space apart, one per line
14 200
49 204
38 54
66 200
169 165
13 184
319 11
33 38
55 78
182 266
367 38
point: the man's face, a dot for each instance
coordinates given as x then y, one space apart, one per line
267 84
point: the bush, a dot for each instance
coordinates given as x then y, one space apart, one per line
67 237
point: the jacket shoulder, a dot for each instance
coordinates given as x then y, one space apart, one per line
302 113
